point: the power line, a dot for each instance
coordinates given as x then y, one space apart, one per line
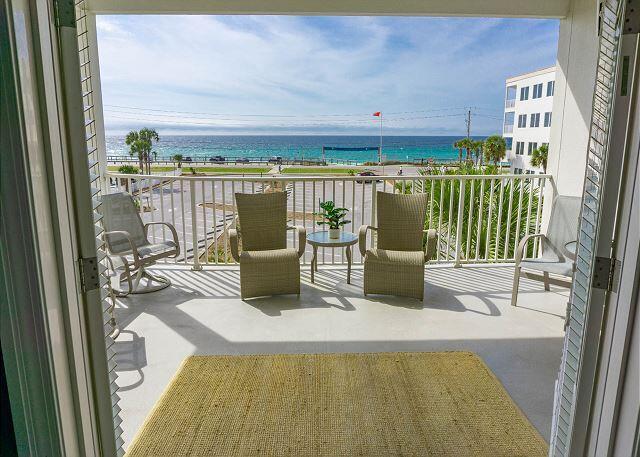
156 110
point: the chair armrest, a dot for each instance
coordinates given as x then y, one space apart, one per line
302 237
127 236
233 244
172 229
432 244
362 238
523 244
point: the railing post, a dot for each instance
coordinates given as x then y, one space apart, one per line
457 263
194 227
373 201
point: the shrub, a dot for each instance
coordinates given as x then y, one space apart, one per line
128 170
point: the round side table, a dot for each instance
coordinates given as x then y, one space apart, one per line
321 239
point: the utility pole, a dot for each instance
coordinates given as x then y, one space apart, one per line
468 122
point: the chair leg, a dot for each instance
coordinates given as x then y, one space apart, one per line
162 282
516 284
545 275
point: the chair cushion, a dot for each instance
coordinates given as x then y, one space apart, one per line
386 256
563 268
269 256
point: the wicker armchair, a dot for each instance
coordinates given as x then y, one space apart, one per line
267 266
396 265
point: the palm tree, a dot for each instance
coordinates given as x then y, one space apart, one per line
178 158
140 143
539 157
476 147
458 145
466 144
495 149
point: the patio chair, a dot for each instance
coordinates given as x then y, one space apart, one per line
554 257
128 245
267 266
396 265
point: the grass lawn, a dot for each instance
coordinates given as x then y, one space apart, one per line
318 170
226 170
220 170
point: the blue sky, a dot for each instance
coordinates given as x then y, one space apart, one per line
313 75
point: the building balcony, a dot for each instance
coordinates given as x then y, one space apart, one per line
510 103
465 308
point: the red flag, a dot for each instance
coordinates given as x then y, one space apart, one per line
377 113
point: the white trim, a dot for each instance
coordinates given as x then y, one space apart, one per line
486 8
98 113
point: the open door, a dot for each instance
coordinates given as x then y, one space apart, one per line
596 266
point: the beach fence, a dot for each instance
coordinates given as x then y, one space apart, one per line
479 218
324 160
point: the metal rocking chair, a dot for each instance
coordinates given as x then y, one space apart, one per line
128 247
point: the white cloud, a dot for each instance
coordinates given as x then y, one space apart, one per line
309 66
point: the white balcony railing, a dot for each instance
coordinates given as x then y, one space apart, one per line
479 218
510 103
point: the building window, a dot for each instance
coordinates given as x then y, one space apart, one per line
547 119
537 91
535 120
522 121
510 99
551 85
532 147
508 121
517 171
509 142
524 93
520 147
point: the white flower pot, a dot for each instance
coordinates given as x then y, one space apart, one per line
334 234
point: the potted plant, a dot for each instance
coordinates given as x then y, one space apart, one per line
333 217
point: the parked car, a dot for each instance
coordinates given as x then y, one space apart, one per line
187 159
367 181
242 160
275 159
218 159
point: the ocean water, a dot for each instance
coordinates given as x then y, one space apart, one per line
296 147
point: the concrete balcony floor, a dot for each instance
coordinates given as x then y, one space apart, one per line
464 309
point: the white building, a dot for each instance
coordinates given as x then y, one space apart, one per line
527 116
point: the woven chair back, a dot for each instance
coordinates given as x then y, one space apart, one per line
401 221
263 220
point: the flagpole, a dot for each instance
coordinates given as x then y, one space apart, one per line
380 150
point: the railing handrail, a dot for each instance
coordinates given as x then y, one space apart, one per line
322 177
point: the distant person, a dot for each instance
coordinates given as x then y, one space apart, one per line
279 168
400 172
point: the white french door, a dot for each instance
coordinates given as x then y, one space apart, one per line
596 266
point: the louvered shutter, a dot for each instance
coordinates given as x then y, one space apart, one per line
611 14
95 181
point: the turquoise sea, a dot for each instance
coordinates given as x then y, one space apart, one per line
296 147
